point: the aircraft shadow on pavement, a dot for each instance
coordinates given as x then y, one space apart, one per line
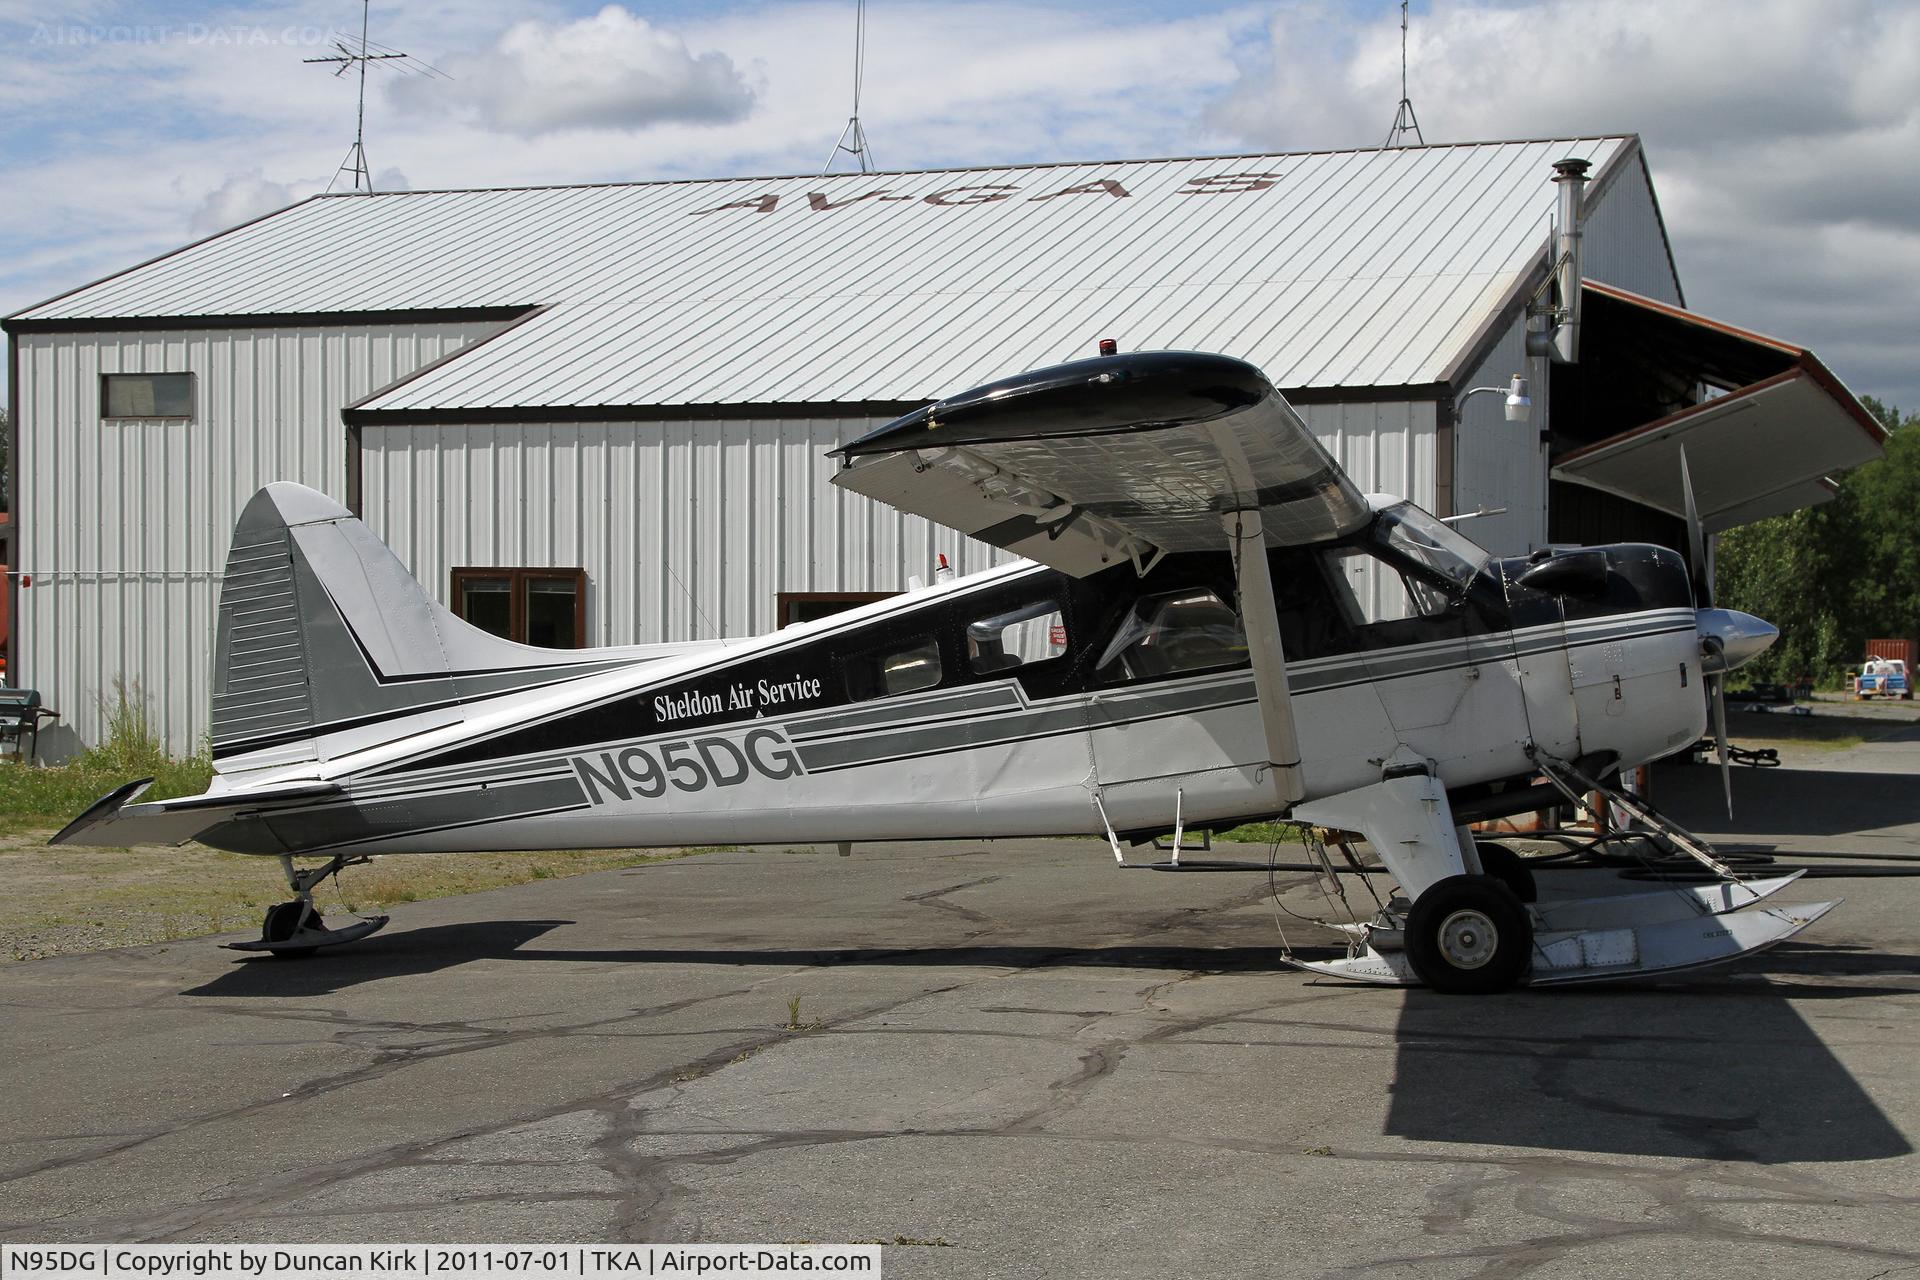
394 954
407 952
1718 1066
1714 1067
1793 802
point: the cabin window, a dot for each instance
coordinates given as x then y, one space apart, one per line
1180 631
146 395
1027 632
901 667
541 607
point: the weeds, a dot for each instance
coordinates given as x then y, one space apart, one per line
793 1022
1266 833
130 749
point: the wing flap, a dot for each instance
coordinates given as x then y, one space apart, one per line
1084 464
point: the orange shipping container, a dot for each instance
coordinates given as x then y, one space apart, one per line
1904 650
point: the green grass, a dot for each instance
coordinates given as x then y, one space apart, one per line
34 795
65 899
1265 833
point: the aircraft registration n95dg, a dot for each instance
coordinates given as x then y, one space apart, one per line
1210 625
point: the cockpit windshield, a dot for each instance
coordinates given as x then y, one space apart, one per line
1426 540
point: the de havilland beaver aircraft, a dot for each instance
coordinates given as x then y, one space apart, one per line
1210 625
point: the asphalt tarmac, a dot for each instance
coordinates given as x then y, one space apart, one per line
1012 1059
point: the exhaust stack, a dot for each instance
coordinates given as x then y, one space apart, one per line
1562 341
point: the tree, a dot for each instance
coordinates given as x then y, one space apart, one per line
1833 576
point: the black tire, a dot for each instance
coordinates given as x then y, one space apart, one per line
1468 935
282 922
1509 868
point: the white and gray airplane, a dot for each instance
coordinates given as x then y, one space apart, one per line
1210 625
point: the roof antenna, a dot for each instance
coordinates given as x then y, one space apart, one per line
1404 121
853 139
359 56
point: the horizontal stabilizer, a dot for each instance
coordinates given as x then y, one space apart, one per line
114 823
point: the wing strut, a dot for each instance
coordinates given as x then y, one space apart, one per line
1260 618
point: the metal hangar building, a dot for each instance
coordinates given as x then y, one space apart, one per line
601 414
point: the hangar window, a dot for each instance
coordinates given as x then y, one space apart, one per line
900 667
543 607
146 395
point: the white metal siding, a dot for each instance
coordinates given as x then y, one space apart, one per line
1623 243
1499 463
686 529
690 529
1386 446
123 525
1503 464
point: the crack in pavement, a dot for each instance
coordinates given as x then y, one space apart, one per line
655 1198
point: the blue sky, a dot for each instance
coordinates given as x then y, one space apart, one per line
1782 133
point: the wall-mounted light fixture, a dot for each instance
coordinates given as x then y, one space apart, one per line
1519 403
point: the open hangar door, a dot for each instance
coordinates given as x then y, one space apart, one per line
1763 422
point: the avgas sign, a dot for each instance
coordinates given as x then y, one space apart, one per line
1218 184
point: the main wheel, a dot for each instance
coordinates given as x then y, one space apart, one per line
1509 868
1468 935
282 922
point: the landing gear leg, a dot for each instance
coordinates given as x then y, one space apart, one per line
1464 928
1465 931
294 930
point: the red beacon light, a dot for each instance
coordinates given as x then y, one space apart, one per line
1108 347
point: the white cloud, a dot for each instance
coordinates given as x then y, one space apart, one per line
1781 136
1781 133
242 198
614 70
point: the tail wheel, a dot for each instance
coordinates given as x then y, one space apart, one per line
1509 868
1469 935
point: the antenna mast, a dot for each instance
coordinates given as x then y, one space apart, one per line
853 139
356 161
1404 121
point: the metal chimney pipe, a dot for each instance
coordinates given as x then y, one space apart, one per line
1570 176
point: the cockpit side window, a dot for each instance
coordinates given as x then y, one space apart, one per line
1369 590
1173 633
1429 542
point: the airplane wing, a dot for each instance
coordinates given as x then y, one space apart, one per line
1089 464
1127 458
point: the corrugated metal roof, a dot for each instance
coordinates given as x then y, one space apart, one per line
1325 269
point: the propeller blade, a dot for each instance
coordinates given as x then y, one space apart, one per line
1718 683
1696 541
